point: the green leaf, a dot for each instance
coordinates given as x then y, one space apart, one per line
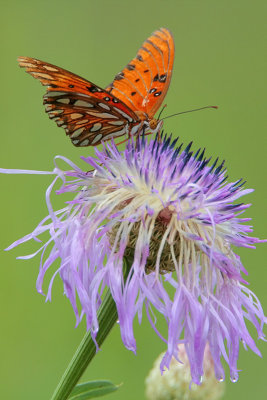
91 390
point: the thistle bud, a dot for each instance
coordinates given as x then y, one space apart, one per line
176 382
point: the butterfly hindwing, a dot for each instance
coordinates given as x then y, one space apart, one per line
143 83
88 113
86 120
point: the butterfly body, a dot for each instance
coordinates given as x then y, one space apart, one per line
90 114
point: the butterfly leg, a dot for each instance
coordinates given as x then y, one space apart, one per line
126 133
142 131
125 140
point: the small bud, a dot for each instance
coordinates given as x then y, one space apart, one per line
175 383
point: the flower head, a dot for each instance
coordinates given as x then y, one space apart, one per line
175 217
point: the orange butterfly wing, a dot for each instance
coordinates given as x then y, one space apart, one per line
88 113
143 83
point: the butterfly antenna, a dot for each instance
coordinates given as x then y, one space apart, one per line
163 108
185 112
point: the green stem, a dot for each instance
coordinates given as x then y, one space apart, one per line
107 317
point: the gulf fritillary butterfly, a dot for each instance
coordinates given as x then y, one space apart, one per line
127 106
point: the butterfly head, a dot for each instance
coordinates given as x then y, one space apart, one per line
148 125
153 125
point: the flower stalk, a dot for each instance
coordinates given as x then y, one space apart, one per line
107 317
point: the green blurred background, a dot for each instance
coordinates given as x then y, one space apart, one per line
220 60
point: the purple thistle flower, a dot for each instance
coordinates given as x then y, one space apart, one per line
175 217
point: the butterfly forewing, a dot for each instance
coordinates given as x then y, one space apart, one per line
143 83
88 113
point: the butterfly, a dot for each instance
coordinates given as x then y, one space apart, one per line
127 106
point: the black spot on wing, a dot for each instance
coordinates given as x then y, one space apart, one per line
119 76
163 78
130 67
93 89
